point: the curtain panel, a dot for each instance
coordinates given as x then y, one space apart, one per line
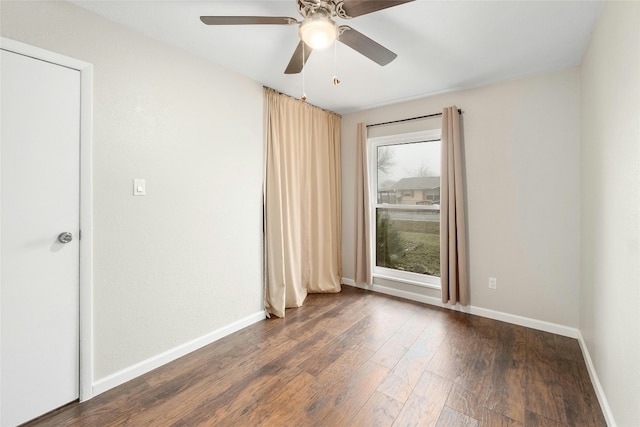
453 239
302 208
364 273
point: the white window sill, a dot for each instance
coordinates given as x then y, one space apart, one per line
421 284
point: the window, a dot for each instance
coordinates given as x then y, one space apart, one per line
405 196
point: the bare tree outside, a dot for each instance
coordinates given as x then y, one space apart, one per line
385 160
422 172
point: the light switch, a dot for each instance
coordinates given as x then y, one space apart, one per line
138 187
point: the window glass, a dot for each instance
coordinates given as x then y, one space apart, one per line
406 208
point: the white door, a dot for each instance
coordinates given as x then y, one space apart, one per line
39 156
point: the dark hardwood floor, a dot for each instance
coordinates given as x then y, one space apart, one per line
359 359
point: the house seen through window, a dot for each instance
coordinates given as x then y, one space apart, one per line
405 202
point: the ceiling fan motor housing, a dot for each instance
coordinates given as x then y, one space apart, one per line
308 8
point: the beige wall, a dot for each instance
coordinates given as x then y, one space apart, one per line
185 259
610 207
521 141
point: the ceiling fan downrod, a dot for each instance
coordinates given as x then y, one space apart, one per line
308 8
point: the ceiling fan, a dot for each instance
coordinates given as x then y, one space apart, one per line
318 30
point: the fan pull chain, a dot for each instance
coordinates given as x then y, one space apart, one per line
336 80
304 95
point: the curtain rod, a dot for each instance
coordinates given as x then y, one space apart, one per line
303 102
409 119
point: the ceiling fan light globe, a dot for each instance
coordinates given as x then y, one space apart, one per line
318 32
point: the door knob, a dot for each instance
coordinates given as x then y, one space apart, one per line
65 237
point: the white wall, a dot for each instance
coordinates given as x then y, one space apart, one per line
610 207
521 142
184 260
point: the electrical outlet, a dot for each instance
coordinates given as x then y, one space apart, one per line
493 283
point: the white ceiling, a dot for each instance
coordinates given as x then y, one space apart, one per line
441 45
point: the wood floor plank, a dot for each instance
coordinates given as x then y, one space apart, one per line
350 340
475 364
281 405
483 344
236 413
504 387
217 389
384 326
333 318
452 418
580 401
454 355
211 397
358 359
469 403
198 365
425 403
253 390
535 420
490 418
352 397
398 344
329 386
465 401
336 321
379 411
544 393
406 373
567 348
112 408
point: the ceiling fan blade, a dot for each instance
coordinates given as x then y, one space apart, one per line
247 20
355 8
363 44
297 61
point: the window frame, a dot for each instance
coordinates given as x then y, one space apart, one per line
422 280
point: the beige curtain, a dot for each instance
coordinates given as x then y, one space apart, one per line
453 241
363 211
302 202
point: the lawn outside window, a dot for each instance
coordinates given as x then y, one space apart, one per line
404 173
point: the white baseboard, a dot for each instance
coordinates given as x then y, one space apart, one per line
604 404
154 362
350 282
478 311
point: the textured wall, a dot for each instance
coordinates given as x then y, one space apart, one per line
610 207
521 142
185 259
